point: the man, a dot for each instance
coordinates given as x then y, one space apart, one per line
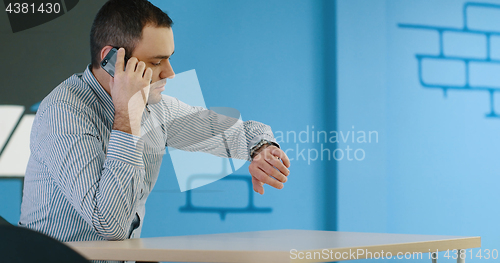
94 143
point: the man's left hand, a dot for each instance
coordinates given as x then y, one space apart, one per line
269 166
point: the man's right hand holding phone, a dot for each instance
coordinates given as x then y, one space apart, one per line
129 92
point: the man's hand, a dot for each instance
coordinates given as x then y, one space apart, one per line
129 92
267 168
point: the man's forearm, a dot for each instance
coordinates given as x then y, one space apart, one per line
198 129
122 176
101 186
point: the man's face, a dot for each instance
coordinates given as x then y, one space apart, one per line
155 49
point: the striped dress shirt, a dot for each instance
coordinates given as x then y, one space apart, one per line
86 181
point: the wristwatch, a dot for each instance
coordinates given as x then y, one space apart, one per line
262 142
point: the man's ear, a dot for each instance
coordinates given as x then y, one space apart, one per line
104 51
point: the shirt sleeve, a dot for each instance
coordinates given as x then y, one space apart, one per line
101 186
198 129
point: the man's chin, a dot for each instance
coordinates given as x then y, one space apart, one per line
156 89
154 98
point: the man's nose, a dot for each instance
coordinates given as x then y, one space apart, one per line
167 71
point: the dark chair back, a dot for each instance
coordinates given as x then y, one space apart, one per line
20 245
4 222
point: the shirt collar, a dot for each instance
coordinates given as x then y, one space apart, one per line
102 95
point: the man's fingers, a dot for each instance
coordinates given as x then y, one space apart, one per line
263 177
141 66
269 169
274 161
257 186
282 155
131 65
120 60
148 74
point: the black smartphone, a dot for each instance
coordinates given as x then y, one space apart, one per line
108 63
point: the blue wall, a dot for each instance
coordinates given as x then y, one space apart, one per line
10 198
435 167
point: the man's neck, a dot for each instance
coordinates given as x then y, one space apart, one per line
103 78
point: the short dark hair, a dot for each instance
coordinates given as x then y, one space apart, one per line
119 23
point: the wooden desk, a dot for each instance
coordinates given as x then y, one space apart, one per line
272 246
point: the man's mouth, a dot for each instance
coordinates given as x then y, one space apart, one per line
159 85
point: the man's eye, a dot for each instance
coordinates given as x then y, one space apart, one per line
156 64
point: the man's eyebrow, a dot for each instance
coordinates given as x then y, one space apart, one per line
162 57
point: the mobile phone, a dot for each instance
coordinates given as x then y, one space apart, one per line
108 62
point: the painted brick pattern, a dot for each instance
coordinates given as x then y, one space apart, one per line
469 56
460 44
438 71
